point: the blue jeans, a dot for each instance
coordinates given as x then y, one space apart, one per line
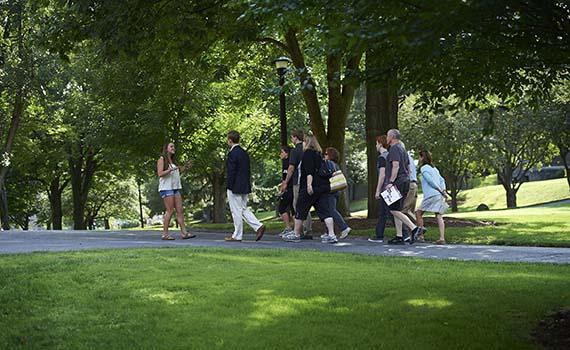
168 193
338 219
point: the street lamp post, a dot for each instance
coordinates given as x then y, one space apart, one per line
281 64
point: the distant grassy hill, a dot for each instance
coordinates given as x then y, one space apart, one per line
494 196
530 193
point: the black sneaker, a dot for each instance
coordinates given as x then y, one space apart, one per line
416 233
396 240
306 236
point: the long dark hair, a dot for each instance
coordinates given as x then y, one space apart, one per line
167 160
425 157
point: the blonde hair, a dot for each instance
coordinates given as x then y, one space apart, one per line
312 143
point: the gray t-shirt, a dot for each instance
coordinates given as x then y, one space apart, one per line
294 159
397 153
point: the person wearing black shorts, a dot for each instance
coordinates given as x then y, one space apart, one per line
314 190
286 197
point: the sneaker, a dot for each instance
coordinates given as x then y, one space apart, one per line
285 232
375 240
418 231
324 235
292 237
330 239
345 233
306 236
396 240
407 239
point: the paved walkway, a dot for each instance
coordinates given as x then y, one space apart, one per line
33 241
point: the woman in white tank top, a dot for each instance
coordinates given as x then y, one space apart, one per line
169 188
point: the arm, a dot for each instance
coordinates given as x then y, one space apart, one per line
428 177
381 176
394 175
290 171
310 184
232 170
160 166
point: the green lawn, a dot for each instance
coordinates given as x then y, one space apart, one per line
213 298
536 226
530 193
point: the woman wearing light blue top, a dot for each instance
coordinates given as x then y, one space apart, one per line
433 187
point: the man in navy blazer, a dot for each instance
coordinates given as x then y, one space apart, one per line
238 189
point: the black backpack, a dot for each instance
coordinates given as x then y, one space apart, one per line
326 169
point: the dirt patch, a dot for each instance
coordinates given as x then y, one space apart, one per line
364 224
553 332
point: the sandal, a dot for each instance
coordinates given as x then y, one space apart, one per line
167 238
187 235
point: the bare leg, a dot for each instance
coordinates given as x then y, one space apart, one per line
169 210
329 222
180 213
286 220
404 218
420 218
298 227
441 225
398 225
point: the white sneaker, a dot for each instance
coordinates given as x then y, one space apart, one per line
285 232
292 237
324 235
374 240
329 239
345 233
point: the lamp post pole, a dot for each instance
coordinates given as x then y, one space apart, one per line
281 64
282 115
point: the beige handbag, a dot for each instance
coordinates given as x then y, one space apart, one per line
338 181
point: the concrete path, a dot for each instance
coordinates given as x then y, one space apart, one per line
33 241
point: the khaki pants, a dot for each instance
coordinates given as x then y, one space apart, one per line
307 224
409 206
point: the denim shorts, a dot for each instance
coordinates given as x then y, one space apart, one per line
169 193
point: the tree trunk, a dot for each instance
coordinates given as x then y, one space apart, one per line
381 116
81 178
90 222
219 196
107 224
511 198
4 205
140 205
17 112
453 194
454 183
54 196
563 154
26 222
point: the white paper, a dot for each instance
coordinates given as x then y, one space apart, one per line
391 195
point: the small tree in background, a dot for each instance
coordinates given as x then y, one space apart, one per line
451 136
516 141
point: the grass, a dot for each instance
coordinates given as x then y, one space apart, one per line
214 298
537 226
530 193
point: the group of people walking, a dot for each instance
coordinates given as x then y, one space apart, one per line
306 174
